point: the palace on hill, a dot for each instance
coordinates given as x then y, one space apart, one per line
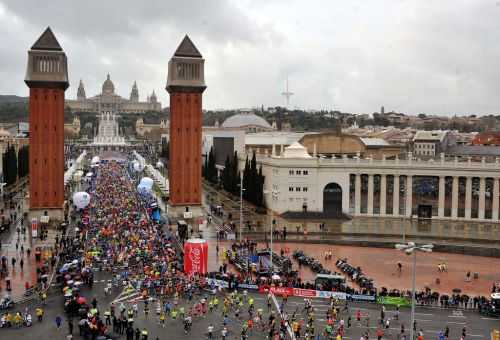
109 101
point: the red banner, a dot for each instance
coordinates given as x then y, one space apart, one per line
307 293
276 290
195 257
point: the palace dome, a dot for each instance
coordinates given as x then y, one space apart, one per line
245 119
108 87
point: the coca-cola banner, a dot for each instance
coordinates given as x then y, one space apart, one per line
276 290
307 293
195 256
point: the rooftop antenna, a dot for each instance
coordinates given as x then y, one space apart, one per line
287 94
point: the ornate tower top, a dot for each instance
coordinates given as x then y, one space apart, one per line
108 87
186 69
80 95
47 63
153 98
134 94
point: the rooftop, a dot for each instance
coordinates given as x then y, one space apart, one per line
437 135
245 119
296 150
374 142
274 137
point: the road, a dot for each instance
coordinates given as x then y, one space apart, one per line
430 320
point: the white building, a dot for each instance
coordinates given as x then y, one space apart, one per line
432 143
295 182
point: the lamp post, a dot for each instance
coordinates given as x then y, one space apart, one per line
273 222
241 206
411 248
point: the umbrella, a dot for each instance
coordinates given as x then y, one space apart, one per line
81 300
275 277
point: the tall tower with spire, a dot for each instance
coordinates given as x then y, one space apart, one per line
287 94
185 84
80 95
134 94
47 79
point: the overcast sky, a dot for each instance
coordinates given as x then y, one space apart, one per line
411 56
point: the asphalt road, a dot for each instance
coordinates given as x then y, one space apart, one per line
430 320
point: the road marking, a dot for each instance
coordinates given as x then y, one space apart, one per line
489 319
423 320
456 322
476 335
457 314
132 297
426 314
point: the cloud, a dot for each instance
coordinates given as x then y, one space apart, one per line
408 55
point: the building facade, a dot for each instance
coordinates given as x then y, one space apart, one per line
432 143
108 100
443 189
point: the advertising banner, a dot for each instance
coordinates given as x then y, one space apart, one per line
195 257
393 300
326 295
248 286
34 227
276 290
307 293
360 297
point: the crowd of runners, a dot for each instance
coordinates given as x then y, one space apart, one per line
142 257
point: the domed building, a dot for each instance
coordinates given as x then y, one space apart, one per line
247 121
108 100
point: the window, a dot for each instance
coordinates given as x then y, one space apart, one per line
305 172
298 172
297 188
290 188
304 189
290 172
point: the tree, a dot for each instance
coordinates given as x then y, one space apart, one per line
253 182
246 182
235 178
10 165
211 168
23 161
165 149
226 175
259 199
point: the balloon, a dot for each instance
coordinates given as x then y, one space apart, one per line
147 181
138 166
95 160
81 199
143 188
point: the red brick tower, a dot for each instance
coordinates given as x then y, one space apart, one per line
47 78
185 84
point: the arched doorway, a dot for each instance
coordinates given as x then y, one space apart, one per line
332 200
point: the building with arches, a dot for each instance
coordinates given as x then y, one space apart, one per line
448 189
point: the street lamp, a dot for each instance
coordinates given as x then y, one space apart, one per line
273 222
241 205
411 248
